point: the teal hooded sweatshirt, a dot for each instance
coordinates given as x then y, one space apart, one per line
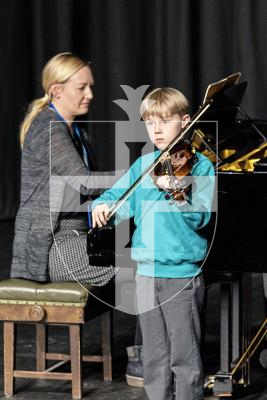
169 240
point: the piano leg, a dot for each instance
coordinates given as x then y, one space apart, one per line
236 320
230 333
234 333
223 385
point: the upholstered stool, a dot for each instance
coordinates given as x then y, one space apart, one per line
70 304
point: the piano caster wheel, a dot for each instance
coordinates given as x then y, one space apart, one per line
209 382
263 358
208 385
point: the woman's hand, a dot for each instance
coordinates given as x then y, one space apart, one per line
100 215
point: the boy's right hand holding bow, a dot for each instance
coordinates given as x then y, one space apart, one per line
100 215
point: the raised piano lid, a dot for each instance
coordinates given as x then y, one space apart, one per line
226 134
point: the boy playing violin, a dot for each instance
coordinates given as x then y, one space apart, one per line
169 245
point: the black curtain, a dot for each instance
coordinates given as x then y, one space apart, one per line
181 43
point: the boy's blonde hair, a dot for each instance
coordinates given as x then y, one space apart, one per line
164 101
57 70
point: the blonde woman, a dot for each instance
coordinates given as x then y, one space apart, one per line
52 245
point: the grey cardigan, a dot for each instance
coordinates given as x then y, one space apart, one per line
35 223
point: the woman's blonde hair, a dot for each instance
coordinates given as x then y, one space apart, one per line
57 70
164 101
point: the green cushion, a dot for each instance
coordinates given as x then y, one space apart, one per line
18 290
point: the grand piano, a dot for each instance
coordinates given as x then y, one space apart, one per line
237 145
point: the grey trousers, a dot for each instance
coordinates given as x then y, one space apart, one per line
171 336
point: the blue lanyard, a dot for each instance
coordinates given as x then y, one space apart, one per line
76 130
85 156
89 216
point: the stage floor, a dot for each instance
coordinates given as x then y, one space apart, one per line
124 328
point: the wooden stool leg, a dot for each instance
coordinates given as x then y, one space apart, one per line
8 358
75 352
106 320
40 347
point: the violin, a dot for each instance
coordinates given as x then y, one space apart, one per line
177 163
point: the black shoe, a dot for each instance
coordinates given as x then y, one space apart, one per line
134 369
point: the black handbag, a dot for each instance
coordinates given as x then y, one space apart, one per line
101 245
101 248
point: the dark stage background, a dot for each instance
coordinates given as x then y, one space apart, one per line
180 43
